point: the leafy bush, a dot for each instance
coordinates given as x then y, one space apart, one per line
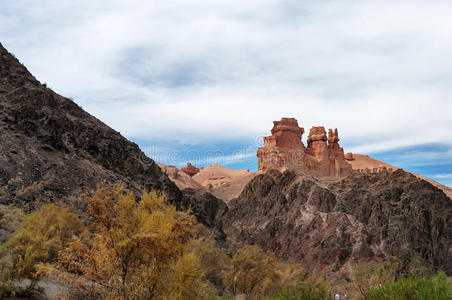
140 251
369 275
304 292
214 260
39 238
252 273
437 287
258 275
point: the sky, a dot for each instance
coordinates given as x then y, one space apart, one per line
202 81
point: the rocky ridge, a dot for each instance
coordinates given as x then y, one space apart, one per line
327 224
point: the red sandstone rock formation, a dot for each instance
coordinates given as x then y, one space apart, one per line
284 150
349 156
190 170
317 142
333 137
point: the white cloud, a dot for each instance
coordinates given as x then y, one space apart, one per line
445 179
195 71
445 176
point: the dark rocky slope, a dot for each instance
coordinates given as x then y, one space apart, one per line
328 224
51 150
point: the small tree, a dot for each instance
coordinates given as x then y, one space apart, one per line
138 253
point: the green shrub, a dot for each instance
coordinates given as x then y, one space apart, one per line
438 287
305 292
369 275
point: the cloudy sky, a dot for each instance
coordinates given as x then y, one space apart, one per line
203 80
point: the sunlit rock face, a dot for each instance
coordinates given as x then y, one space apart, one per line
284 150
190 170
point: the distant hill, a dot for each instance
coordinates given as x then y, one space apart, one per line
223 183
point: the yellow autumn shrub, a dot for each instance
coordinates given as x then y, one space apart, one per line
253 273
214 259
38 239
139 252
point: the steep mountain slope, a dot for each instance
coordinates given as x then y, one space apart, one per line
327 224
51 150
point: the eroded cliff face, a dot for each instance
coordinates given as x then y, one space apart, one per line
284 150
327 224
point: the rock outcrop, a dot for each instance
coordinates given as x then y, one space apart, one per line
349 156
284 150
190 170
327 224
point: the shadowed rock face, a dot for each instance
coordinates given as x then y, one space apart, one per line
326 224
51 150
284 150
